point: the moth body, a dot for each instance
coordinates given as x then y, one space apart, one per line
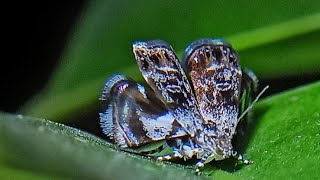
195 117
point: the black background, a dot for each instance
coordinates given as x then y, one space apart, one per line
35 35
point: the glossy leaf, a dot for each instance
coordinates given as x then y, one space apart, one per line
32 147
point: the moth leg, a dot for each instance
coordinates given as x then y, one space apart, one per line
199 166
176 155
186 152
164 158
241 158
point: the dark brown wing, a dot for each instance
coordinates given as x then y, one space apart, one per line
213 67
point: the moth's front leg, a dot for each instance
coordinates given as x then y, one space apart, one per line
241 158
207 158
199 166
175 156
184 152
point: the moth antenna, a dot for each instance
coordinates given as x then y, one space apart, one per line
255 100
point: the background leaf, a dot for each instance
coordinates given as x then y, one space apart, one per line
274 39
284 143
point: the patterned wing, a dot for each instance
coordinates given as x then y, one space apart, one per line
133 116
213 67
161 69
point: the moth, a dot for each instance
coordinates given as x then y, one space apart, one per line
191 109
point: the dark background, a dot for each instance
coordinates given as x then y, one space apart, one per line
37 34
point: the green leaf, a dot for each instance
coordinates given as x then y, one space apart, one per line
284 138
284 142
274 39
36 148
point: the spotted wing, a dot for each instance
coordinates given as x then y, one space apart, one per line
133 116
213 67
161 69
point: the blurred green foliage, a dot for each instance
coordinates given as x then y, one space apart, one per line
274 39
